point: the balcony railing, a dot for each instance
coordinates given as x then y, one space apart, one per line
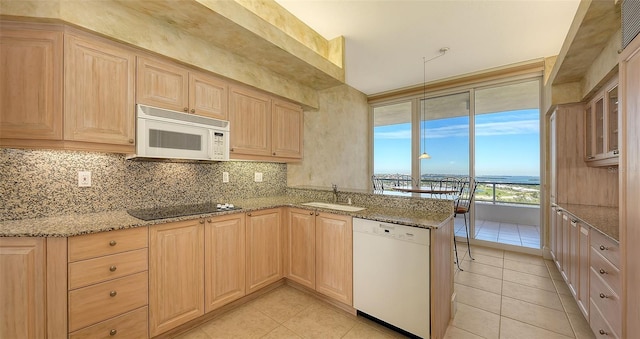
487 191
508 192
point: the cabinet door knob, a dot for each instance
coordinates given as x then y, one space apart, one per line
113 293
616 152
602 332
193 110
310 213
274 153
317 214
248 214
209 220
231 149
201 221
186 109
113 268
602 295
131 141
602 271
112 243
113 332
602 248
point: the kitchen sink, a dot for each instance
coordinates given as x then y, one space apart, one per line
347 208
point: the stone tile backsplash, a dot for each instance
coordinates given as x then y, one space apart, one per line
39 183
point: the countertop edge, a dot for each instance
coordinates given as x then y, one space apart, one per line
81 224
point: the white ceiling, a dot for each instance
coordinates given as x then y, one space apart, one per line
386 40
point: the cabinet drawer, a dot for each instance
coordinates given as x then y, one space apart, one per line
605 246
92 271
599 325
609 273
90 305
106 243
129 325
607 301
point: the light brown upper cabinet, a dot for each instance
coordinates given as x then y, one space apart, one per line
99 104
286 130
264 128
601 126
30 82
167 85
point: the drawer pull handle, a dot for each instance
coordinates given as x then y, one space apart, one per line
602 332
602 271
112 243
602 295
113 293
113 268
602 248
113 332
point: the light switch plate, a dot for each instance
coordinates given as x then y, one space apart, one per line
225 176
84 179
257 177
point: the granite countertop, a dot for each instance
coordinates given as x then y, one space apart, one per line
603 219
78 224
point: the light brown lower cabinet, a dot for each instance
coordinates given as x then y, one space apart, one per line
224 260
319 252
589 262
176 274
334 256
33 287
108 282
22 287
264 244
300 247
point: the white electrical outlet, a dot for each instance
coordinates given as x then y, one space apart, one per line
84 179
225 176
257 177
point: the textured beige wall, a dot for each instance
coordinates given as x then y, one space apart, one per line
335 142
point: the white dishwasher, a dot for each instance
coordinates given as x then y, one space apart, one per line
391 274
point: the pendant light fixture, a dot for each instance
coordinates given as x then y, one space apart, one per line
423 105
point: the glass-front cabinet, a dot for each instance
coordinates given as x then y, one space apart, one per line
601 126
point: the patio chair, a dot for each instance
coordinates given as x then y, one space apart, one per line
463 206
447 188
404 181
378 185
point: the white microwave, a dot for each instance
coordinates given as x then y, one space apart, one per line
165 134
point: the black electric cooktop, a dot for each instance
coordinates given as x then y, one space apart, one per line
179 210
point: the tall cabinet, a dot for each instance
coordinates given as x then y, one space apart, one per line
630 187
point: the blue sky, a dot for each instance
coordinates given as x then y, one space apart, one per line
507 143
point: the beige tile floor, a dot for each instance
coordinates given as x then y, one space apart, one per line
501 294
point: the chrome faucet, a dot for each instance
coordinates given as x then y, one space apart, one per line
335 192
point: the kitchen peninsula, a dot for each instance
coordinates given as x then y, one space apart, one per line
115 254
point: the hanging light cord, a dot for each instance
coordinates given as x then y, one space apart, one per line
443 50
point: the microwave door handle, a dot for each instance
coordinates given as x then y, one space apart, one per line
210 144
